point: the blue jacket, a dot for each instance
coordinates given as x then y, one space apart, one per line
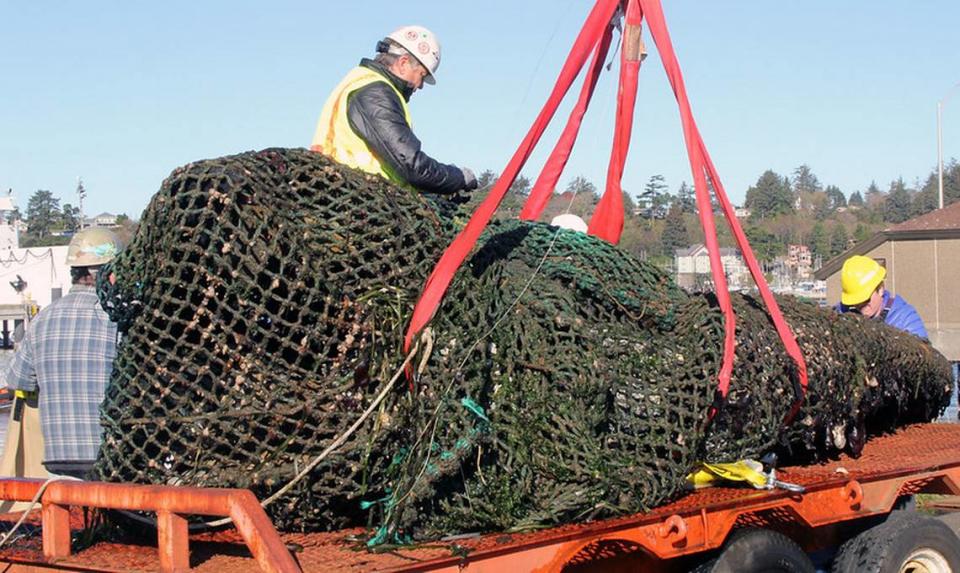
898 313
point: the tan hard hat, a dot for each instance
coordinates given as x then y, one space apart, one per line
92 247
423 45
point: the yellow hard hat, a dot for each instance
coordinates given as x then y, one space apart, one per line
859 278
92 247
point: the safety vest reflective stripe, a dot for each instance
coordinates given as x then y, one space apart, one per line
334 137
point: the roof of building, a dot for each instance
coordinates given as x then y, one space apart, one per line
939 224
938 220
6 203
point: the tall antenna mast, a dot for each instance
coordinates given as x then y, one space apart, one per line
81 193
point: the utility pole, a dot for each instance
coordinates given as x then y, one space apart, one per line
81 193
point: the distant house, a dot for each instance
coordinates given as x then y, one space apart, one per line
741 212
693 266
645 209
101 220
921 257
799 260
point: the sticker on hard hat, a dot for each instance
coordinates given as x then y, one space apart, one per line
867 277
105 250
411 35
423 48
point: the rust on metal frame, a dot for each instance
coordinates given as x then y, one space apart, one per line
921 458
169 502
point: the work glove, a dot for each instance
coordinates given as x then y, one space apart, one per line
469 179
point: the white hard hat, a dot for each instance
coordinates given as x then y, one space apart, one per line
570 221
422 44
92 247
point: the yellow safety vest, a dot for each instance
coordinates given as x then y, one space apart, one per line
334 137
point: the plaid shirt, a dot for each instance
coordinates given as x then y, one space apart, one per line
68 354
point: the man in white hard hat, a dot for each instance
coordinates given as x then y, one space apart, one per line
365 123
67 355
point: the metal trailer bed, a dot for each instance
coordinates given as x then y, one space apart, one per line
839 494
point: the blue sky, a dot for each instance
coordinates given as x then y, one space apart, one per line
121 93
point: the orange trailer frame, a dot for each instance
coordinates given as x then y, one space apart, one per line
918 459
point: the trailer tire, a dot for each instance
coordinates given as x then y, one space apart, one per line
905 543
758 551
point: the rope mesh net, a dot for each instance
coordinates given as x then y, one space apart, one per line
263 302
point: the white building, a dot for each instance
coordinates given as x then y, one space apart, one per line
44 269
101 220
693 267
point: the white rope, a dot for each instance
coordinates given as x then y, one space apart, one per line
33 505
427 335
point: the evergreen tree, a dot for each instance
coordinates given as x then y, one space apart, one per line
951 182
896 209
657 185
835 197
521 186
674 231
764 243
70 218
856 199
629 207
861 233
582 187
686 198
838 240
770 197
43 212
821 206
928 198
657 193
804 181
486 179
819 243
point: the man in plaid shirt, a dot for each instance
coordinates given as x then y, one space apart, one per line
67 355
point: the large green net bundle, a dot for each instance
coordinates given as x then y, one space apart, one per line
264 300
588 397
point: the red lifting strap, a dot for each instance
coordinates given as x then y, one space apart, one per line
607 222
547 181
701 165
453 257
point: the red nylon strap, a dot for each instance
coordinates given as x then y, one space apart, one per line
461 246
607 220
547 180
701 164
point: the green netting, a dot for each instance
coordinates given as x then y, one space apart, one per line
263 303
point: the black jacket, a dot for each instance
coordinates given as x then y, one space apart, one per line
376 114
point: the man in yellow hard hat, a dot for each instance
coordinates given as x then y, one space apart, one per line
864 292
67 355
365 122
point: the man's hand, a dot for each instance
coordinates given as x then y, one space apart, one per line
469 179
